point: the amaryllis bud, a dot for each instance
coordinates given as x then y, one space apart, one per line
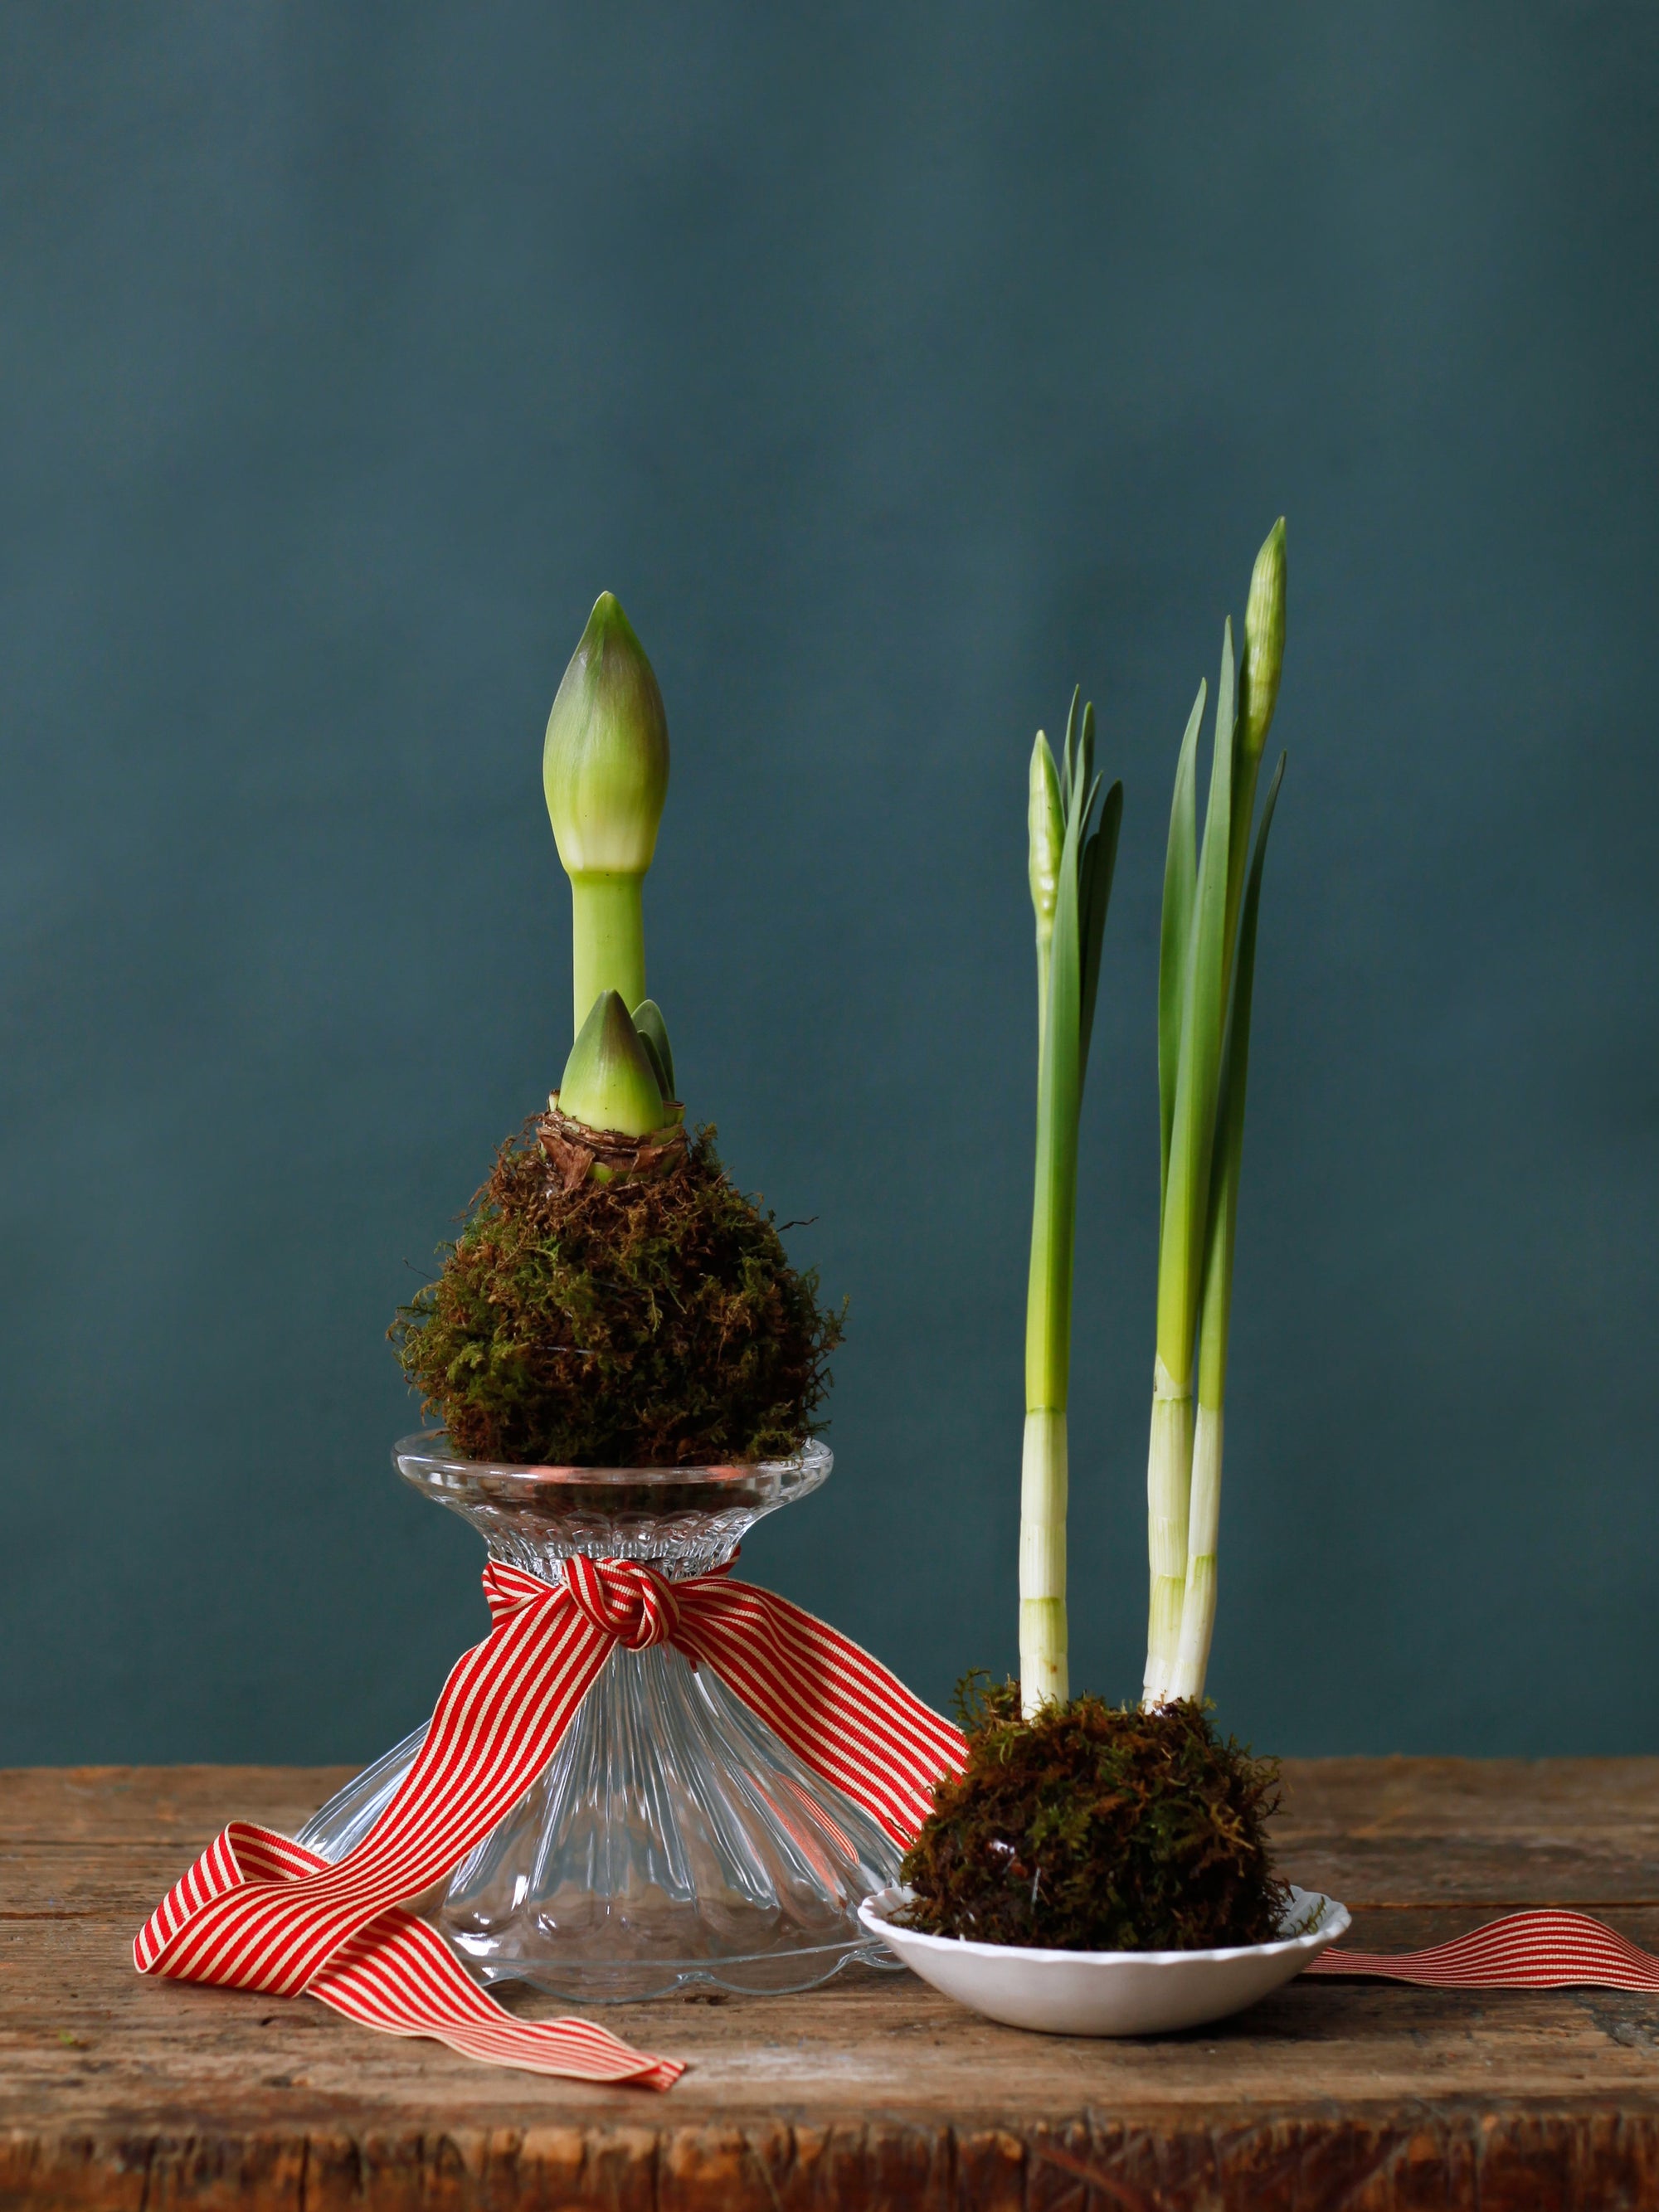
604 763
605 770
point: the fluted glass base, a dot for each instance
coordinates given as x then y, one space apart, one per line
673 1839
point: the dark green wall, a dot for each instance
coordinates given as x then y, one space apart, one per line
896 367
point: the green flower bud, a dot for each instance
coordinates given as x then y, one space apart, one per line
1264 643
1047 826
608 1083
604 763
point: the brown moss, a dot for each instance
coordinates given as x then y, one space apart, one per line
635 1324
1097 1828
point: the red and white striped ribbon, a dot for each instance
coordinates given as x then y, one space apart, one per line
1536 1950
258 1912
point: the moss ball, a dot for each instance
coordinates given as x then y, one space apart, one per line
1097 1828
652 1323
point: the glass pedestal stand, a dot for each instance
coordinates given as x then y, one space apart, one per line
673 1839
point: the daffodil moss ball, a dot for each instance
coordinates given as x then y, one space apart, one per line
636 1321
1097 1828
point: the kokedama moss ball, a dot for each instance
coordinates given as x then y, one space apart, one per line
647 1324
1097 1828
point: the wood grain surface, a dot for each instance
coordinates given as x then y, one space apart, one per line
117 2091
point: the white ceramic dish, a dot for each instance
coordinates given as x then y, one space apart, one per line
1108 1993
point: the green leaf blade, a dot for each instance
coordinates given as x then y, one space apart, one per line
1059 1085
1174 946
1099 866
1068 752
1186 1203
654 1036
1229 1129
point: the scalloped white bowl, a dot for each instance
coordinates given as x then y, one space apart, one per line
1108 1993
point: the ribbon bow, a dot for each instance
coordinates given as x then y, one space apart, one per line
259 1911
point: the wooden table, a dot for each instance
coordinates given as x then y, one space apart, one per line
118 2091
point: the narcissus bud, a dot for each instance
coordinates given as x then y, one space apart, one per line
1264 641
1047 826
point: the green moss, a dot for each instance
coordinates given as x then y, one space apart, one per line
1097 1828
630 1324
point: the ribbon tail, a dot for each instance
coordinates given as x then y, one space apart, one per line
399 1976
1537 1950
258 1912
240 1854
839 1710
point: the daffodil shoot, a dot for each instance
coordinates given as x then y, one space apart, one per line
1075 1824
1071 857
1207 971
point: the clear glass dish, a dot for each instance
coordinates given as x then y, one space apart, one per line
673 1839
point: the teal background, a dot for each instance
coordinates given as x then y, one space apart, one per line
898 367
